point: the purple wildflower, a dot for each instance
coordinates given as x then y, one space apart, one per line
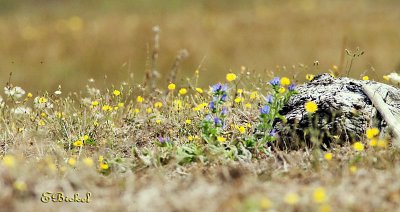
265 110
223 97
215 88
275 81
212 105
224 111
163 140
224 88
217 121
219 88
269 99
292 87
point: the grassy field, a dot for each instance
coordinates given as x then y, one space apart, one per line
43 44
176 130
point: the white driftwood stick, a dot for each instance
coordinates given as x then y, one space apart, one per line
383 109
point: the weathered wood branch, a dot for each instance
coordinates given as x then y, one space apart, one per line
383 108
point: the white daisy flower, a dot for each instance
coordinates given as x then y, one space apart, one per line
394 78
16 92
21 110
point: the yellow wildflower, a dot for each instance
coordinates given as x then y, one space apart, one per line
188 121
353 169
281 90
88 162
95 103
29 95
230 77
85 137
182 91
158 121
319 195
139 99
60 114
41 123
103 166
171 86
248 105
382 143
358 146
78 143
324 208
241 129
8 161
328 156
311 107
365 78
372 132
52 166
72 161
239 91
202 105
373 142
292 198
107 108
265 203
136 110
121 104
63 169
309 77
254 95
20 185
190 138
158 104
285 81
386 77
199 90
238 99
149 110
42 100
116 92
221 139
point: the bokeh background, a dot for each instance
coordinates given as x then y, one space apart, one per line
49 43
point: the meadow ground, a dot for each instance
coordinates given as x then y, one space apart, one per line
189 135
182 149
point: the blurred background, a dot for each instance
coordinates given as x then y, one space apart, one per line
49 43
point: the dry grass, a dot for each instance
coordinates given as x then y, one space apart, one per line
191 173
222 187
